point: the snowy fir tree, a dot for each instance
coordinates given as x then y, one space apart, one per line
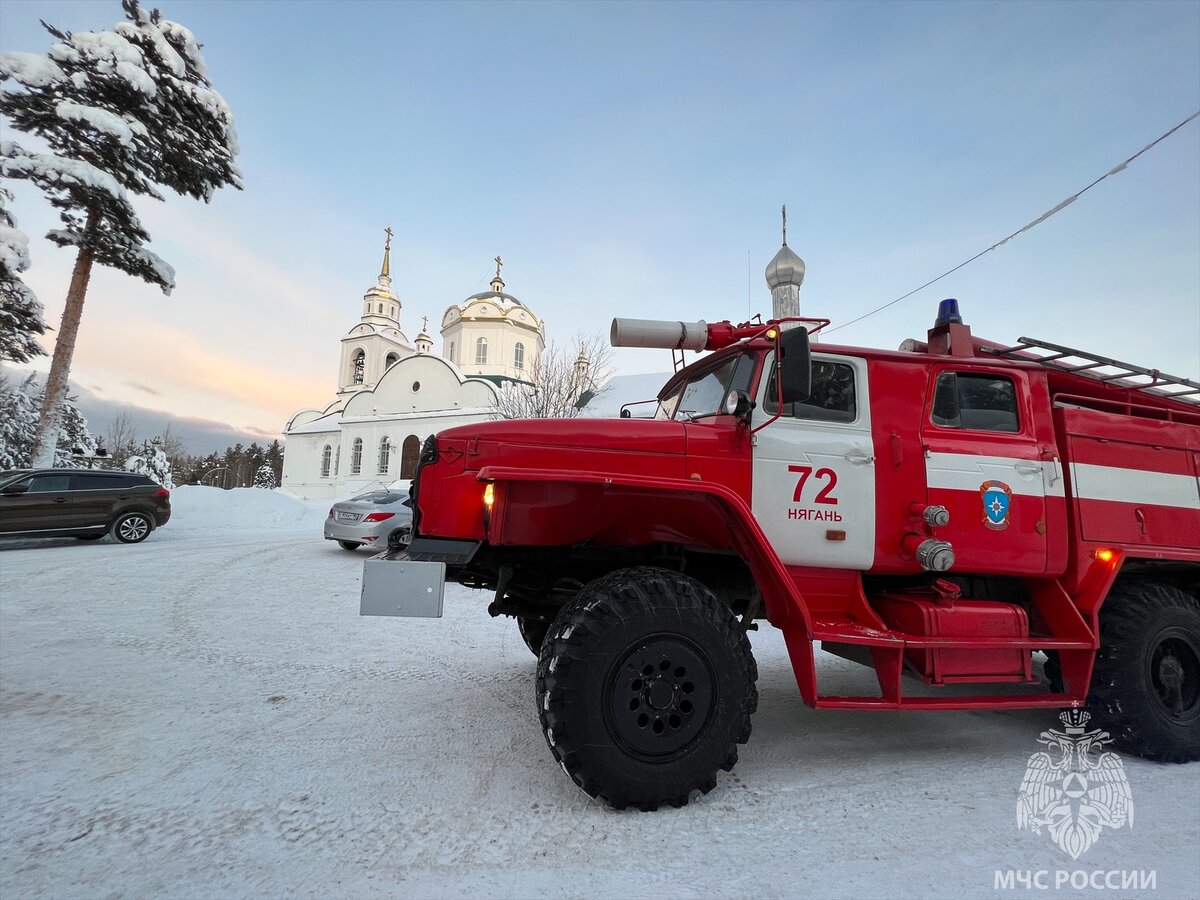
19 406
18 422
20 311
153 463
75 445
121 112
265 478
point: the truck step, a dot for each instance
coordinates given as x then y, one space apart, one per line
990 701
843 632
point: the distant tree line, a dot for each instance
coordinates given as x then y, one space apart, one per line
238 466
162 456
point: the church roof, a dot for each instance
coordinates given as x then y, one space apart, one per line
497 297
785 268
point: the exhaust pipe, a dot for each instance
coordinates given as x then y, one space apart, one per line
660 334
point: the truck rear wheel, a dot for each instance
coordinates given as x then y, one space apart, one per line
1146 684
645 688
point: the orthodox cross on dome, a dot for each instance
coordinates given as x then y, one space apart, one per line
386 271
499 263
425 322
785 224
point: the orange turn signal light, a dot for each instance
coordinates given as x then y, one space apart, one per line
1104 555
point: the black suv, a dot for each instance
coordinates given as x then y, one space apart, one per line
81 503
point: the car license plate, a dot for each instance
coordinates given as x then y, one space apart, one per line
347 517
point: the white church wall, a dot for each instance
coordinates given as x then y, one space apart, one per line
392 410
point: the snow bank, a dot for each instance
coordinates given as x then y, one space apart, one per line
195 508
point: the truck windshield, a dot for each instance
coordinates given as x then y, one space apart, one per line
703 393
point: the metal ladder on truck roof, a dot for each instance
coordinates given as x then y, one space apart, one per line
1102 368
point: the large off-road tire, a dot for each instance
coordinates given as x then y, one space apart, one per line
132 528
1146 683
533 633
645 688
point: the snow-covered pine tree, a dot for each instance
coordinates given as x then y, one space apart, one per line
20 311
121 111
75 442
19 406
153 463
265 478
18 424
275 459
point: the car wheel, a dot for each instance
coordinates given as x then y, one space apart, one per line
400 538
349 545
88 537
132 528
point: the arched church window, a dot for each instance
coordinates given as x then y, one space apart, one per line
391 360
385 456
337 460
519 356
452 351
410 450
481 352
356 457
326 455
360 366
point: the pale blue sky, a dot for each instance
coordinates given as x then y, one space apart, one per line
623 158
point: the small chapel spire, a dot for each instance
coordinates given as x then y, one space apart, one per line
785 274
386 271
498 282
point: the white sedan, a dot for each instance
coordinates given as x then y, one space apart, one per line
371 518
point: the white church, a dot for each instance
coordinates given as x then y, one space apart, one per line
393 393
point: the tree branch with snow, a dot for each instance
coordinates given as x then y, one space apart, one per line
122 112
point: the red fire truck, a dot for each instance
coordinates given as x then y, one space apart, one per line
985 526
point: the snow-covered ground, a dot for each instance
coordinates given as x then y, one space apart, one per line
206 715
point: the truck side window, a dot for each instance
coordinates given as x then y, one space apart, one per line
830 399
975 401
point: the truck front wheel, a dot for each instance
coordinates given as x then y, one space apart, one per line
645 687
1146 683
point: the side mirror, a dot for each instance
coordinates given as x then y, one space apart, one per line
19 488
794 362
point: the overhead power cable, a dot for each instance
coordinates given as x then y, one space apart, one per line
1042 218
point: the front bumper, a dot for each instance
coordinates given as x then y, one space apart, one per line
394 585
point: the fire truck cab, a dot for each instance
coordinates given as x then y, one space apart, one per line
1023 520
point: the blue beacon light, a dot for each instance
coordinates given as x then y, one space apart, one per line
947 313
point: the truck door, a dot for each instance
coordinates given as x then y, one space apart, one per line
814 469
983 463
